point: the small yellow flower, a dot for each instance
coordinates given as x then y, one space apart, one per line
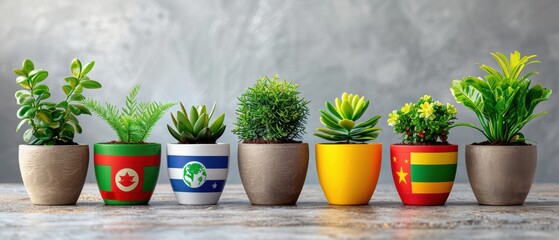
438 103
406 108
426 111
426 98
392 118
450 108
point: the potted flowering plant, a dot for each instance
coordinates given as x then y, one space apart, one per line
348 169
197 165
273 161
501 169
127 170
424 164
52 165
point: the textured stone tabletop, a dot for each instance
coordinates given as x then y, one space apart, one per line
312 218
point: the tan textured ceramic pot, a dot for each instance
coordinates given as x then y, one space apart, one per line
53 175
501 175
273 174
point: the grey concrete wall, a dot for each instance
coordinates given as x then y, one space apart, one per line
199 52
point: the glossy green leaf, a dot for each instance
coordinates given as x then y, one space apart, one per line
27 66
217 123
28 134
40 89
20 124
91 84
20 72
39 77
25 100
346 124
67 89
22 112
88 68
76 67
72 81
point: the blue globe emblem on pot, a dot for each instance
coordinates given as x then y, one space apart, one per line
194 174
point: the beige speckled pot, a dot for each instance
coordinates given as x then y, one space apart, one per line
53 175
273 174
501 175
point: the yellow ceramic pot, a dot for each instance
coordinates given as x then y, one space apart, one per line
348 173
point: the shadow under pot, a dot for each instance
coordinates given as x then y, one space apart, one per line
198 172
348 173
127 173
273 174
501 175
423 174
53 175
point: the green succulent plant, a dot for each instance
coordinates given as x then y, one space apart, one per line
271 111
503 101
135 122
196 128
340 121
51 123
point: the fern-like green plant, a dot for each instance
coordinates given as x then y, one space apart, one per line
504 101
133 123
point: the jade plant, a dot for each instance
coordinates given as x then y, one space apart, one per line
271 111
424 122
133 123
503 101
341 121
51 123
196 128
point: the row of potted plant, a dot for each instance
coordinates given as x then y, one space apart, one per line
272 159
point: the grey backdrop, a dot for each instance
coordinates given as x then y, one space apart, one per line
199 52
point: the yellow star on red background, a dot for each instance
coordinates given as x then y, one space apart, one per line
402 176
394 158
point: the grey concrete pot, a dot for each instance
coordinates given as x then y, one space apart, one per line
501 175
53 175
273 174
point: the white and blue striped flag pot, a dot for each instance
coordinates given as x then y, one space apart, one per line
198 171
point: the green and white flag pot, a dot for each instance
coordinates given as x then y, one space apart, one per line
198 172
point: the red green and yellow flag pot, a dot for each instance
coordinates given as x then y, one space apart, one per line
423 175
127 173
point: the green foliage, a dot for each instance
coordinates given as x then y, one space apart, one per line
340 121
51 123
196 128
424 121
271 110
503 102
134 123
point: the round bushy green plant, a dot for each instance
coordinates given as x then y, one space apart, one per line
271 111
423 122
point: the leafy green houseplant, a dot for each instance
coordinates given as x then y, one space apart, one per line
272 160
348 169
504 102
50 136
52 123
424 164
127 170
197 165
